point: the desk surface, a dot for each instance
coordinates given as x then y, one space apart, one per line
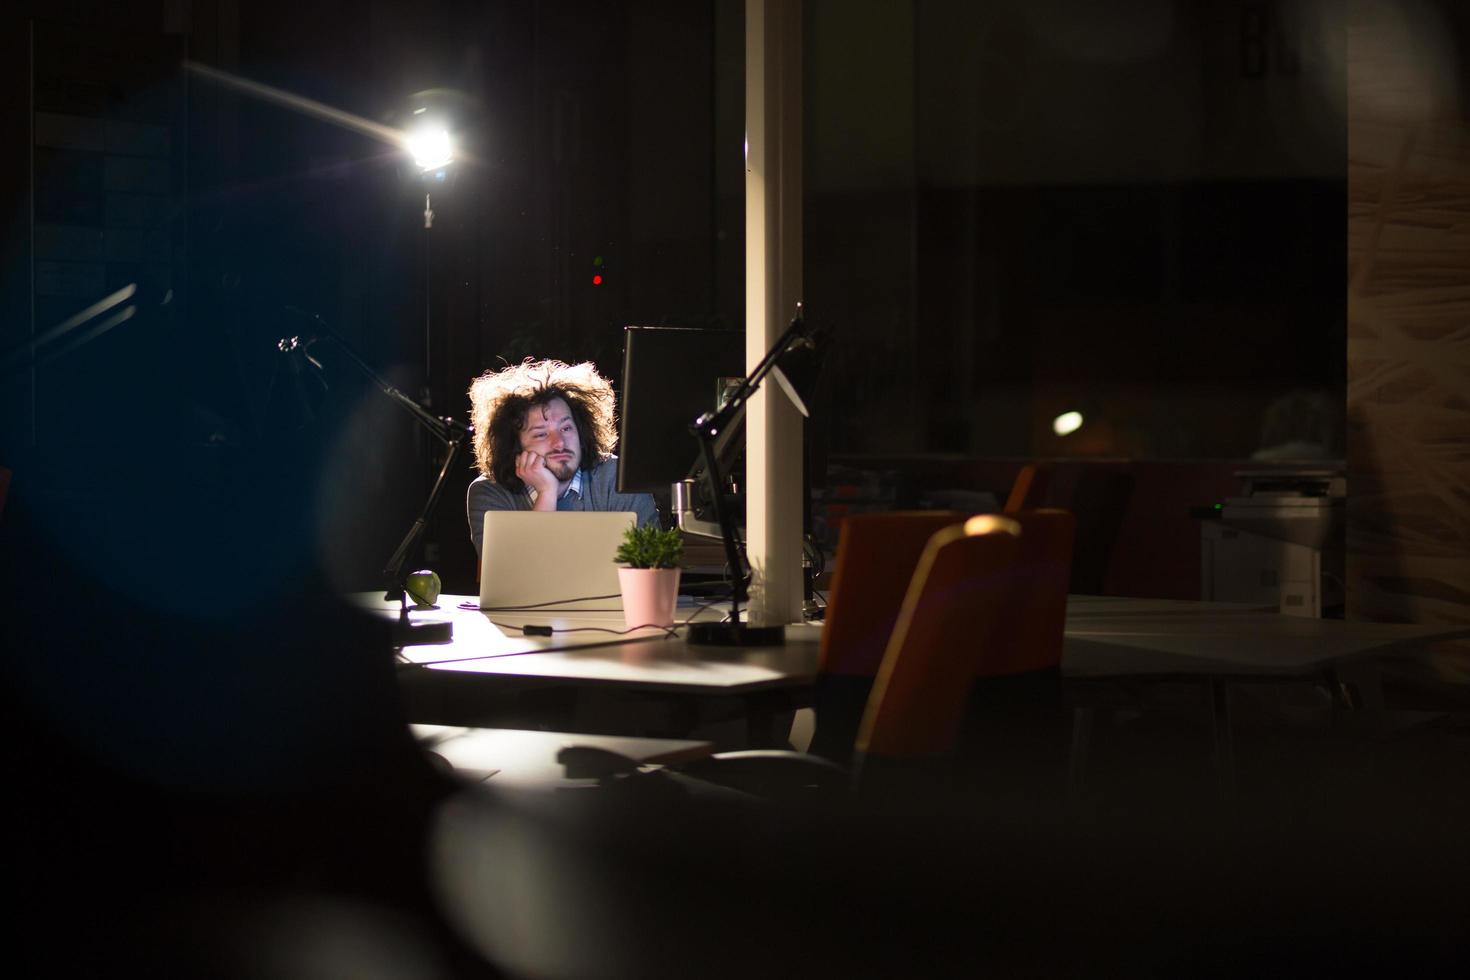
1121 637
1106 636
595 655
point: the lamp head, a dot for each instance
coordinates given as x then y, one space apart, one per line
430 144
1067 423
797 367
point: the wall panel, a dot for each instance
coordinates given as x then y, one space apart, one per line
1408 397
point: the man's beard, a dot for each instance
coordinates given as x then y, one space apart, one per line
562 469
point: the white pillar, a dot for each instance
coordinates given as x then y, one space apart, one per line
773 199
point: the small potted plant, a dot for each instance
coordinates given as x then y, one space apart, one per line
650 576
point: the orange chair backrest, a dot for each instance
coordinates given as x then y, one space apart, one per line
876 555
1029 488
1030 635
953 613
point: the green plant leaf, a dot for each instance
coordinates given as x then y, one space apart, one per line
651 546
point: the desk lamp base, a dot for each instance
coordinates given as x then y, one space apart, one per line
408 634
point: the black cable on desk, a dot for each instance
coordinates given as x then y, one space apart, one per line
531 629
534 629
669 631
465 660
534 606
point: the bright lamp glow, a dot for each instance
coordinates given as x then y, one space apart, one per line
431 147
1066 423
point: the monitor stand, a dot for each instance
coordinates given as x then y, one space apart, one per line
689 522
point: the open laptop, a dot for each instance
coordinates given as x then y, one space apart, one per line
554 562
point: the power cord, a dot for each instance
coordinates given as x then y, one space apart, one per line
531 629
550 603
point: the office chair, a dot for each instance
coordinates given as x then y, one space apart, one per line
1019 733
961 619
1039 584
1099 499
952 616
1029 488
875 561
973 668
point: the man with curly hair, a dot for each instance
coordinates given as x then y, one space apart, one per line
544 433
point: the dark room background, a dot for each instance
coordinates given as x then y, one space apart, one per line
1013 209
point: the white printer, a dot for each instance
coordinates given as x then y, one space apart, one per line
1280 542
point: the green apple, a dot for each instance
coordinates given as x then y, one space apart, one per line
423 586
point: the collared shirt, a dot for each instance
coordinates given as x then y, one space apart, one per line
596 489
574 487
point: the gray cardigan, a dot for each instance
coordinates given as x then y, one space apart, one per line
599 492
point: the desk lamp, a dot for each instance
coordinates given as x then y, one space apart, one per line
450 432
793 362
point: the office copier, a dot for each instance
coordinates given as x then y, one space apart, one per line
1280 542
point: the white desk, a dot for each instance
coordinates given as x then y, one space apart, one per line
488 673
1121 637
1120 640
1107 639
648 659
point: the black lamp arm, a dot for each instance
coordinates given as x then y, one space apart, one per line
711 424
451 432
714 422
443 429
733 558
393 571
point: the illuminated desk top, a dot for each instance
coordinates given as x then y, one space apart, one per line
1105 637
594 652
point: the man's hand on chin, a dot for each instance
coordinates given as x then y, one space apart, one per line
531 468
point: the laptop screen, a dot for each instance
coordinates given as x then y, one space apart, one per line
556 561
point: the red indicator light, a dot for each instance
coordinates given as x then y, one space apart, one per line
597 280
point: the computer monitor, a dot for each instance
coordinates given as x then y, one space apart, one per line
671 376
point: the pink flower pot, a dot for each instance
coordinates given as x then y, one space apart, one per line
649 595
